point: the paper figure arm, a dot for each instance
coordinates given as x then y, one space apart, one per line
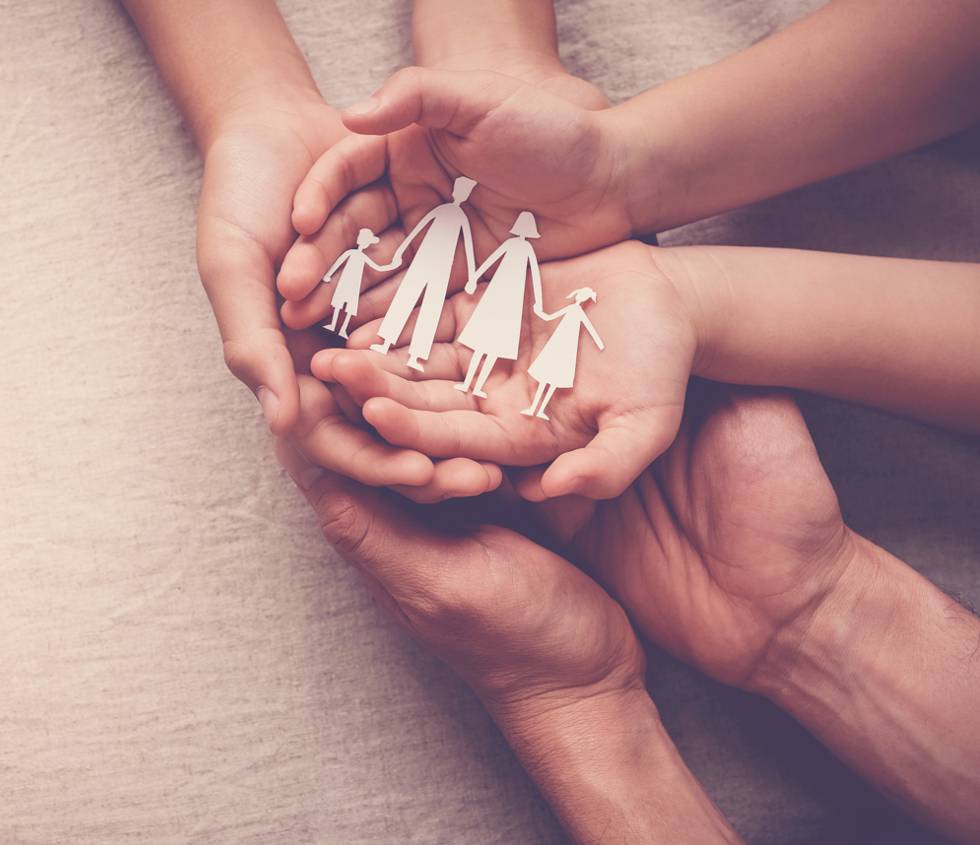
336 266
536 284
591 330
495 256
468 248
381 268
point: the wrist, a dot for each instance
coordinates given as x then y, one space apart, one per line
609 770
476 35
840 637
272 101
216 57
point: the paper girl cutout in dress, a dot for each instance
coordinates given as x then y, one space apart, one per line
348 289
555 365
428 275
494 328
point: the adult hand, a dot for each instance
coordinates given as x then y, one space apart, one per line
553 658
514 619
725 547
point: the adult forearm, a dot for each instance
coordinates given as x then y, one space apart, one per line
894 333
482 30
216 54
886 672
857 81
610 772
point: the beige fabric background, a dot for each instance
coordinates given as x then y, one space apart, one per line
182 660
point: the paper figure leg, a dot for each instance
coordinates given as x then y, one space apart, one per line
430 312
474 363
544 402
345 326
488 365
529 411
398 313
333 322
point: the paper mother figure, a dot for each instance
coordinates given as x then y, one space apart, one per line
428 274
555 365
494 328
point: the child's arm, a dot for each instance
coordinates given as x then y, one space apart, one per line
855 82
257 117
896 333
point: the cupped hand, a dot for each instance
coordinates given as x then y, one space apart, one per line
515 620
621 413
532 139
725 548
253 163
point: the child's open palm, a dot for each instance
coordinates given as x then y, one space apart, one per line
623 411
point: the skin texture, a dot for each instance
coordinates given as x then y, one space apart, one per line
622 412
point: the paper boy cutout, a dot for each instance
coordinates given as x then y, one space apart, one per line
348 289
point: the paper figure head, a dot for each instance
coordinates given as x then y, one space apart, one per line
525 226
366 238
462 188
583 294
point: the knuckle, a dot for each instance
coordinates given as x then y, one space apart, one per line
343 524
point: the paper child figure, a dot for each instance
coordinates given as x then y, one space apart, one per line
494 329
428 274
348 289
555 365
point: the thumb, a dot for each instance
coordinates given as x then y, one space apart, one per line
437 99
239 282
613 459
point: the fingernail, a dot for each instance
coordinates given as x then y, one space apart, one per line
363 107
270 405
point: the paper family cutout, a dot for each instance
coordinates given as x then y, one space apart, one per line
494 328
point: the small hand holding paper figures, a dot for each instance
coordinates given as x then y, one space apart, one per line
625 408
348 289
